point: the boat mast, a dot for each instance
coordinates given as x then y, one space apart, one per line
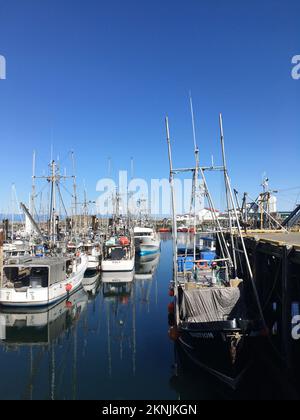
196 173
175 251
32 201
74 193
53 203
226 179
12 212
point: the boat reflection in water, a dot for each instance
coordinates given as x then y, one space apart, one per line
44 332
117 285
41 326
146 266
91 284
120 306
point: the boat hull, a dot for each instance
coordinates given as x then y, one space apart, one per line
220 351
147 246
117 265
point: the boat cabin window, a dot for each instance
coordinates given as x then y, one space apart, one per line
137 234
88 249
69 266
117 254
20 277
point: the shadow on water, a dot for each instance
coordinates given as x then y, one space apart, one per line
110 340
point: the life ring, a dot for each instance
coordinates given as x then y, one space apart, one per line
202 267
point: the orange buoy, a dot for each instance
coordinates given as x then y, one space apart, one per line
69 304
174 333
171 292
69 287
171 308
123 240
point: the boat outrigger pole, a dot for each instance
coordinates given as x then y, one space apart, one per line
32 221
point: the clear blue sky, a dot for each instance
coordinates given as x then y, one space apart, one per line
99 76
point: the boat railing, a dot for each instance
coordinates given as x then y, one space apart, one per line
211 261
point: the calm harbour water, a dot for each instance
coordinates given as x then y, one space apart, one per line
111 342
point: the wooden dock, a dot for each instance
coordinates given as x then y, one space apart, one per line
275 261
278 238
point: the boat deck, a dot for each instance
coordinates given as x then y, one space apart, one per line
28 261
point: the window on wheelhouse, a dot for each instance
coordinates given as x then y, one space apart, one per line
20 277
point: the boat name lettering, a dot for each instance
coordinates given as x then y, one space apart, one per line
203 335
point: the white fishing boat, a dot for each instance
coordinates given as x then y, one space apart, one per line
146 240
93 252
36 281
118 255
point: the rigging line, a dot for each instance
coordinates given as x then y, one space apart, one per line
51 201
35 213
37 194
287 200
61 199
193 121
66 189
272 218
289 189
66 156
190 216
18 202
